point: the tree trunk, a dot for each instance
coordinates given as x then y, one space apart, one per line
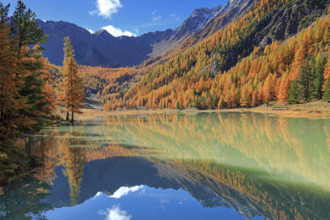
67 116
72 117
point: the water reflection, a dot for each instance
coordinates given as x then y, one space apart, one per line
254 164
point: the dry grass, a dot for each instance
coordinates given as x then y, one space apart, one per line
318 109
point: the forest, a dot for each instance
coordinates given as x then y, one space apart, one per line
293 71
27 97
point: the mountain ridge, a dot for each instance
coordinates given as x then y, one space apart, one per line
97 49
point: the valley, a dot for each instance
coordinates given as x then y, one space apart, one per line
170 110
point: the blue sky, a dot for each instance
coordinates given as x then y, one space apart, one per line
128 17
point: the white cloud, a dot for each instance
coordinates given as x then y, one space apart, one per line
155 17
106 8
123 191
97 194
90 30
115 213
118 32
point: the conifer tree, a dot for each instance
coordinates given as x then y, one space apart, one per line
72 93
294 93
245 97
326 73
25 27
318 80
326 96
283 91
305 79
30 75
10 101
299 58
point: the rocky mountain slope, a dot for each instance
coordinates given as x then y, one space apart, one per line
103 49
212 74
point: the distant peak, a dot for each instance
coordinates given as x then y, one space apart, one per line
102 32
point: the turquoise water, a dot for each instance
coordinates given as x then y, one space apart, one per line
177 166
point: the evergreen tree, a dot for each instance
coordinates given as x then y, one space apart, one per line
33 77
318 80
25 28
326 73
30 75
326 96
305 79
294 93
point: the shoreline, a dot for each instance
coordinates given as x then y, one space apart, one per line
317 109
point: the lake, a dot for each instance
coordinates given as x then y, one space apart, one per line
177 166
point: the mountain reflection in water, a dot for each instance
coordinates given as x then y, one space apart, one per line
252 164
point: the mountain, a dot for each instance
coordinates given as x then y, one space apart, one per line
103 49
233 10
201 24
100 48
251 61
109 175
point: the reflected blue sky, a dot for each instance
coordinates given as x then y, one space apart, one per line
142 202
208 166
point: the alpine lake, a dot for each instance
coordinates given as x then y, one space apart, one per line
177 166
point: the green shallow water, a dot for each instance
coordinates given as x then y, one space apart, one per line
177 166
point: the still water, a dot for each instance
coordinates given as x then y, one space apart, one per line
177 166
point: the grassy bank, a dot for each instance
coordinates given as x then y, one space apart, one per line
317 109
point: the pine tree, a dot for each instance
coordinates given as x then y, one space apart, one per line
25 28
72 93
318 80
294 93
32 73
326 96
30 77
305 80
326 73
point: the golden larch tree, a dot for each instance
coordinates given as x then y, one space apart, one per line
72 93
283 94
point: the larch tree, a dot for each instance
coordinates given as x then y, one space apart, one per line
245 97
297 62
283 91
72 93
10 101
